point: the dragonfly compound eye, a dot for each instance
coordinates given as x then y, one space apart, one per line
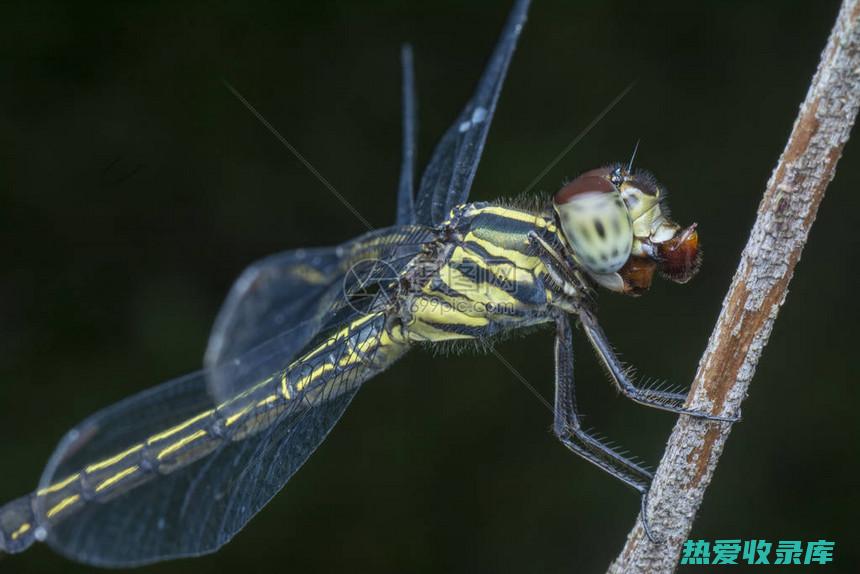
595 221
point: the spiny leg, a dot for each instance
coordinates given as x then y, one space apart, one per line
657 398
568 427
561 273
663 400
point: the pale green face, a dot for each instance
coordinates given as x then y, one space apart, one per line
643 198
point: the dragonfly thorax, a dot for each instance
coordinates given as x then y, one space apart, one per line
481 278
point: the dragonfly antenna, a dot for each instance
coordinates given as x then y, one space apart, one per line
632 157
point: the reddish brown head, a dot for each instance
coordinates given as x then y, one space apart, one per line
617 226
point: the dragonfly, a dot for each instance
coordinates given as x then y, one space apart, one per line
179 469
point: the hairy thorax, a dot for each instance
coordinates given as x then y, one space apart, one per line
482 277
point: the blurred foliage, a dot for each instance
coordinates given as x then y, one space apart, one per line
134 188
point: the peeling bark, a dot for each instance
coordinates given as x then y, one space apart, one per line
758 290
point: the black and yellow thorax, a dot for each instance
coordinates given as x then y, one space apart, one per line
482 277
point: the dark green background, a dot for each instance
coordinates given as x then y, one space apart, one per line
134 187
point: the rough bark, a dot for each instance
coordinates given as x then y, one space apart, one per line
758 290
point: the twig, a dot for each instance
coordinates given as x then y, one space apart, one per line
758 290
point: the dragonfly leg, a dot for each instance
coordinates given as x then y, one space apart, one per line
562 276
663 400
568 427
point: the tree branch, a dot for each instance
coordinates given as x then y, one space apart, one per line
758 290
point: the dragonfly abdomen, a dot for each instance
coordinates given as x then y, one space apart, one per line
335 364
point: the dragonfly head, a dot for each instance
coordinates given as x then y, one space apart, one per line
616 223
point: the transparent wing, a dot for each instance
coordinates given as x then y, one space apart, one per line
277 292
406 189
140 493
448 178
293 291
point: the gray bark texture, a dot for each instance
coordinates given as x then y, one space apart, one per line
758 290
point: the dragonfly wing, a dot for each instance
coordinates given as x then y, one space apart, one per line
406 189
284 291
448 178
282 300
166 474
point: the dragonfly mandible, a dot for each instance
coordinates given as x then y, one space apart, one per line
179 469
